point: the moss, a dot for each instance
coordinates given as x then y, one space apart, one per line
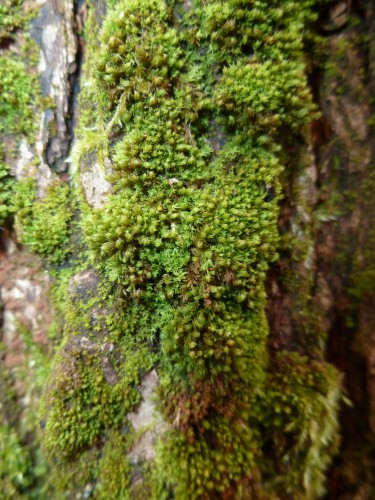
208 467
114 468
19 90
23 469
96 473
364 262
182 248
14 463
15 459
19 100
43 224
65 478
6 183
80 409
358 264
80 394
11 18
20 97
298 425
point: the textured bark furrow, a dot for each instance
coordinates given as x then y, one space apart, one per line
55 31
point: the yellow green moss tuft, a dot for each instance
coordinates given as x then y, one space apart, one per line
195 110
43 224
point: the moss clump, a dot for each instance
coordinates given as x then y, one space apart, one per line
195 110
298 425
82 404
206 467
11 18
84 413
19 95
18 92
23 470
363 263
6 184
114 468
43 224
278 95
14 463
66 478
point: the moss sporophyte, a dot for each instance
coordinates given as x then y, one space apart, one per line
195 109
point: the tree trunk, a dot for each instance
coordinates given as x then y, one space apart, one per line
187 249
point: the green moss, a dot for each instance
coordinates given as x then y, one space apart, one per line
19 95
114 469
95 472
298 425
65 478
43 224
358 264
14 463
6 184
209 467
19 90
196 111
81 410
11 18
278 96
22 466
79 396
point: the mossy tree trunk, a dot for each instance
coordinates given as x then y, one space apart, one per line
197 186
